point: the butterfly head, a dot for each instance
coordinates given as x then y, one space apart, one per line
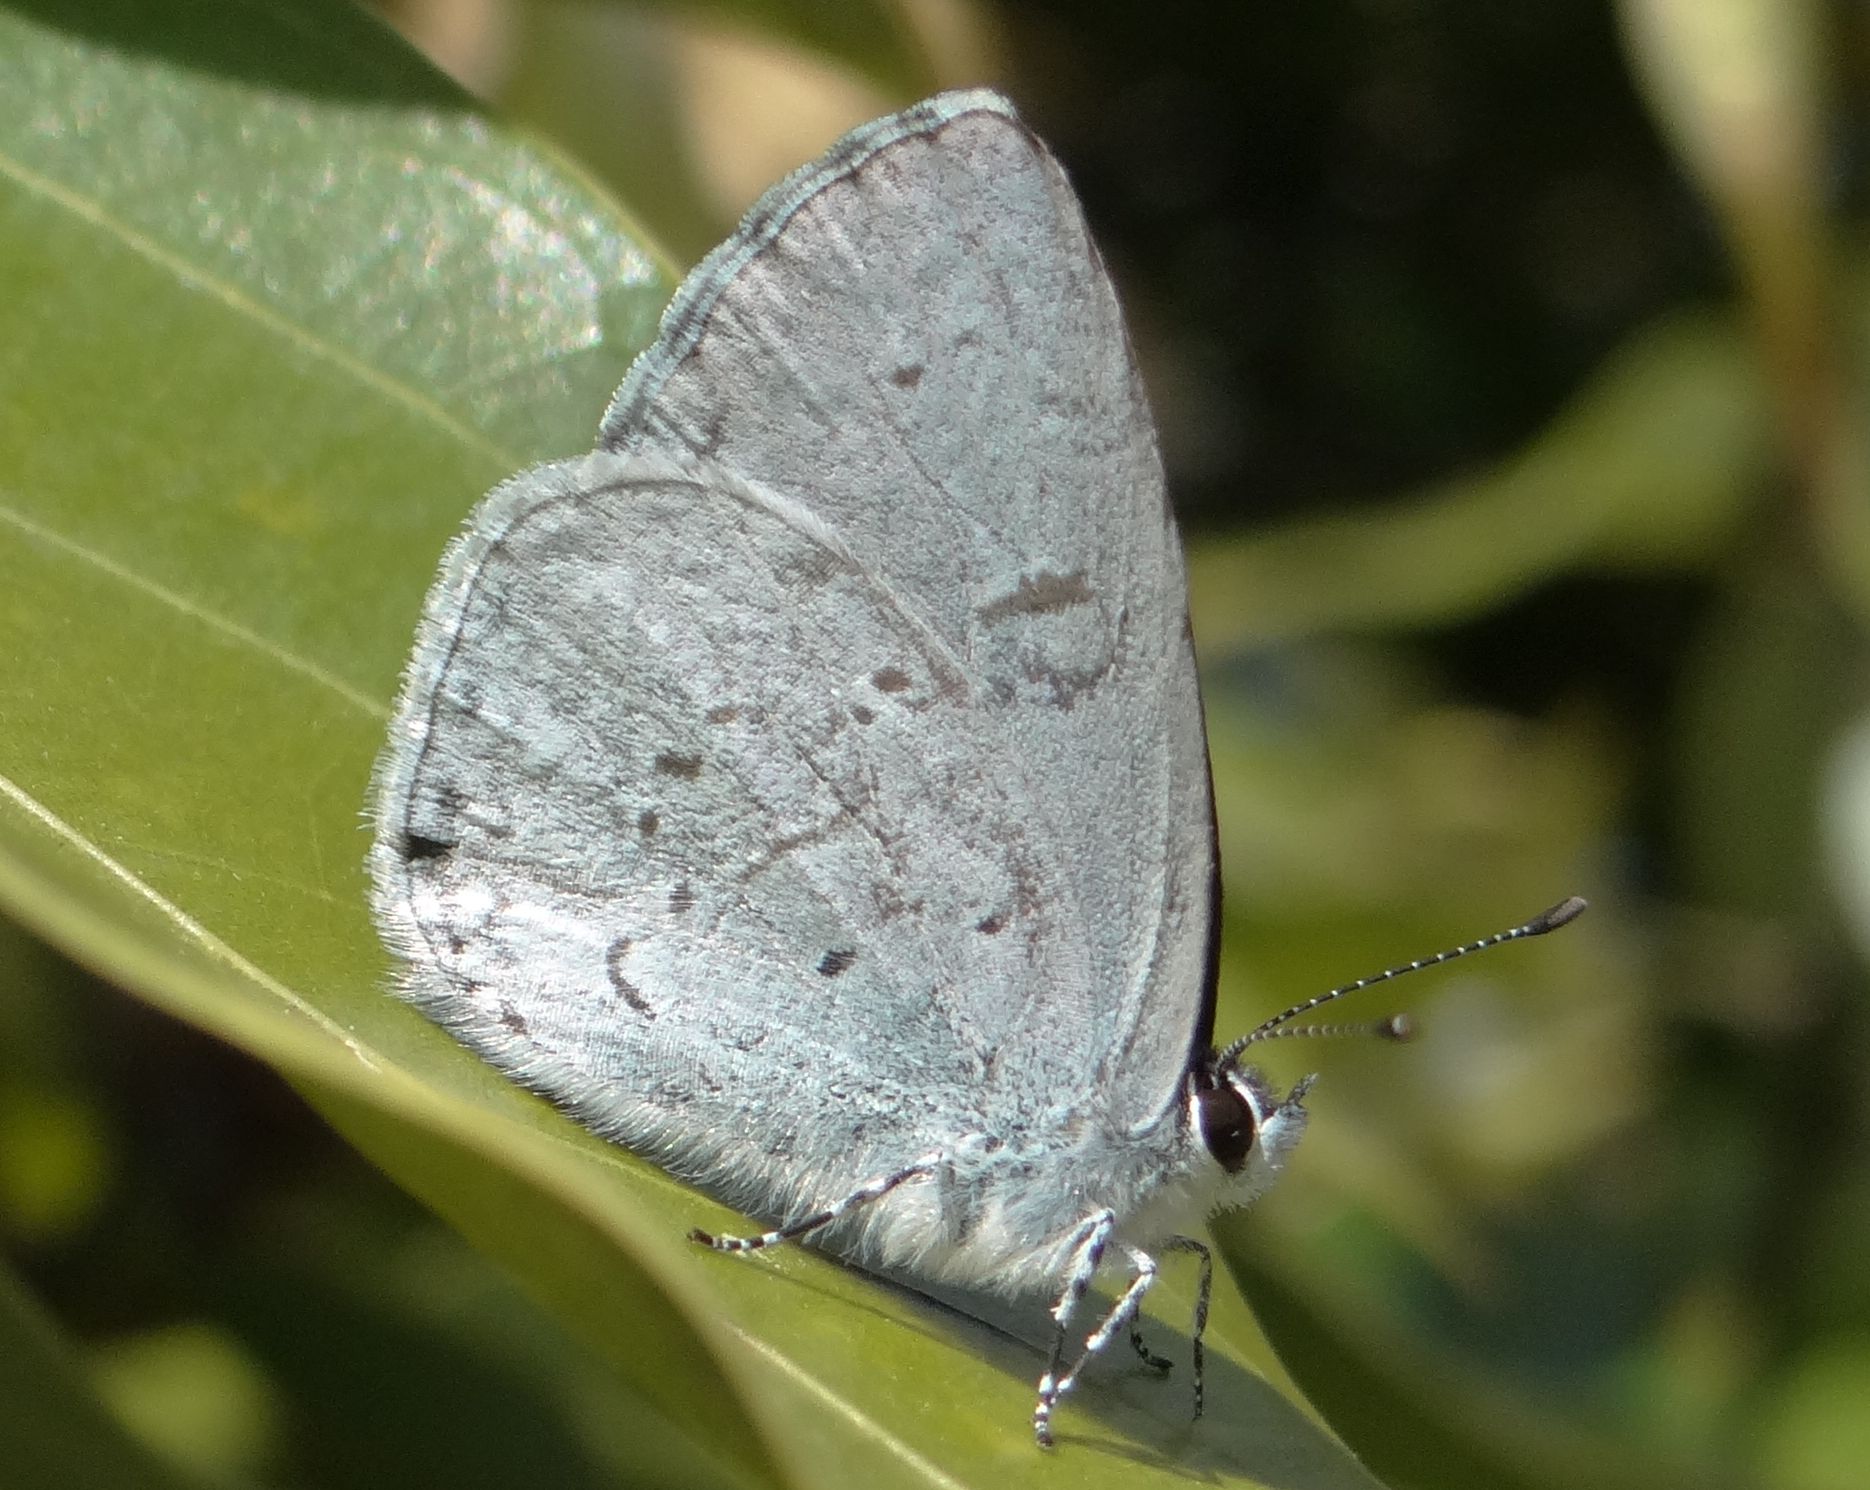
1246 1127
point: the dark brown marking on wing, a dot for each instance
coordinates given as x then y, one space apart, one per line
1036 595
813 567
626 990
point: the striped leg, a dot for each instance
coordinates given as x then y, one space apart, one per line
1204 1290
1149 1357
862 1195
1053 1384
1096 1232
1121 1313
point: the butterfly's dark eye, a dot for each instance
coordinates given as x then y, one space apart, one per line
1227 1125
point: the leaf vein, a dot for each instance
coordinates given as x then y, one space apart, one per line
235 300
185 923
213 620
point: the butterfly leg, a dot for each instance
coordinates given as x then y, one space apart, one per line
862 1195
1149 1357
1096 1232
1053 1384
1204 1290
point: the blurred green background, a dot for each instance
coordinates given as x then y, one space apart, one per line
1508 360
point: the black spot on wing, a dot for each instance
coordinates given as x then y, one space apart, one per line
672 763
681 898
648 821
514 1020
991 925
907 377
723 714
863 715
419 846
890 680
834 962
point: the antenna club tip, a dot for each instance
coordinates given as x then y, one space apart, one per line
1398 1027
1562 914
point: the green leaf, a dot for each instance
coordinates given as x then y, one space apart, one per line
1462 1431
284 306
1650 467
55 1430
869 37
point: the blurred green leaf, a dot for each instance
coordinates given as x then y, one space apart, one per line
56 1433
1777 678
657 106
1649 467
1744 91
192 1392
289 306
871 37
1817 1435
1460 1432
